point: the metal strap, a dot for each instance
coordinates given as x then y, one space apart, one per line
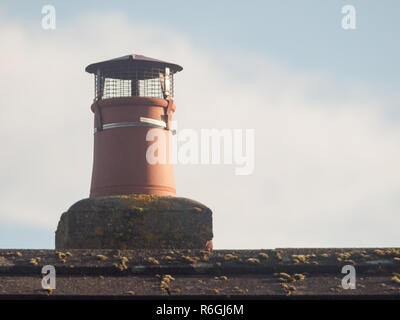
144 122
99 117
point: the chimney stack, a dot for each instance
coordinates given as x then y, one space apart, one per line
132 201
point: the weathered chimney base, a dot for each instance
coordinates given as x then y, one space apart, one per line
135 222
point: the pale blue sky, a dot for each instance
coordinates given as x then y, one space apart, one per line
305 37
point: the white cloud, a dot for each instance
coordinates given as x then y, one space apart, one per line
326 159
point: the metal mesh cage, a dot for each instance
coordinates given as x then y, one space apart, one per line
129 82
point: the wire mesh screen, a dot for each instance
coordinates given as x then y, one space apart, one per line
135 82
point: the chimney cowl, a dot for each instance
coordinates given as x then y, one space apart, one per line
132 61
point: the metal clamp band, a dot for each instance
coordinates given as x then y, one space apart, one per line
144 122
